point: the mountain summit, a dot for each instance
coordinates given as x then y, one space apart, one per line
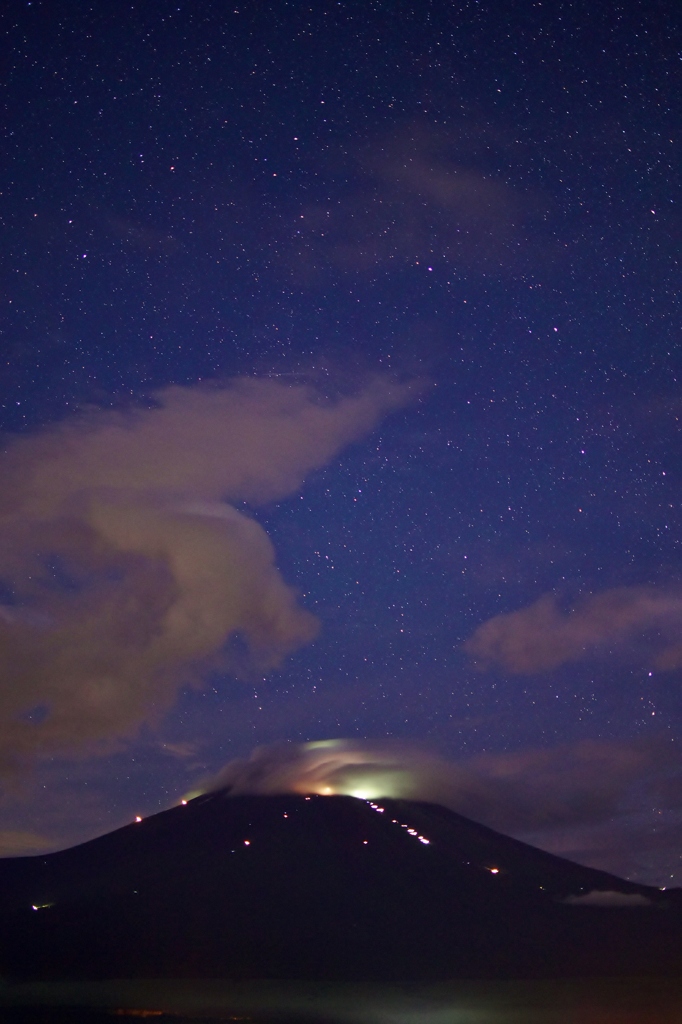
324 887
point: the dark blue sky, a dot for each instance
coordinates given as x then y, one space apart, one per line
484 196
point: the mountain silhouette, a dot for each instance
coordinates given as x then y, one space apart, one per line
324 888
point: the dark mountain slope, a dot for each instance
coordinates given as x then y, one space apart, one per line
322 887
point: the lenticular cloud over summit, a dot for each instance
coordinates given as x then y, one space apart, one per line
127 569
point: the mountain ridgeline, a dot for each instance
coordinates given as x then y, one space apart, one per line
324 888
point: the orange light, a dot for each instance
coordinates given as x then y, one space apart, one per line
138 818
247 842
494 871
184 803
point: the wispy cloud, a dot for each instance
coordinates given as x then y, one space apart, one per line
421 195
18 843
542 637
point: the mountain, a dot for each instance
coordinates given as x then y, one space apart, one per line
324 888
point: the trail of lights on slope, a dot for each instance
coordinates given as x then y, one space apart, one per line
394 821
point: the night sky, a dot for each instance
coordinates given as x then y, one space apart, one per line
441 243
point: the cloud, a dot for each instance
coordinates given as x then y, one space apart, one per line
609 898
528 789
542 637
17 843
326 767
443 169
127 570
428 196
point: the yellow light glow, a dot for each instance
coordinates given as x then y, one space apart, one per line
192 794
138 818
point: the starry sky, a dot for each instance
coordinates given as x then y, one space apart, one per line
422 261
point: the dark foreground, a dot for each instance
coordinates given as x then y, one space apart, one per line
597 1001
327 890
